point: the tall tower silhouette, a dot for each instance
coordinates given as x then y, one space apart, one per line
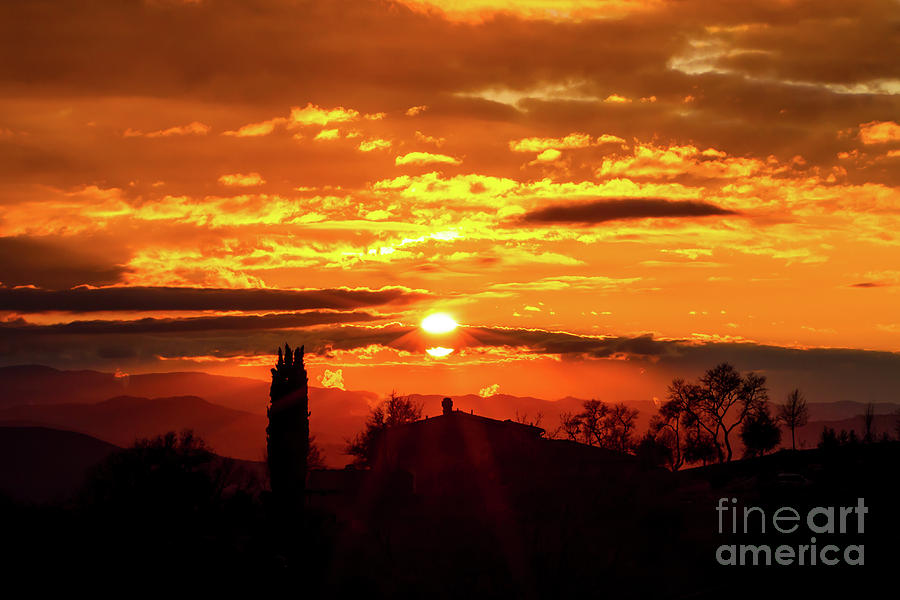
287 435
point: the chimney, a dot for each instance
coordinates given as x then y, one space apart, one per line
447 404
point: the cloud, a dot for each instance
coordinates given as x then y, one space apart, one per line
415 110
332 379
547 156
85 299
564 343
536 144
879 132
425 158
242 180
374 144
566 282
328 134
194 128
649 160
316 115
601 211
58 262
266 322
491 390
257 129
437 141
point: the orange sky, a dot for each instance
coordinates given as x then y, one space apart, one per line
604 194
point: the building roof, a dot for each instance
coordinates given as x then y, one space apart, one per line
462 416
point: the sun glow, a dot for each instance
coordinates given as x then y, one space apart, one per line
439 323
439 351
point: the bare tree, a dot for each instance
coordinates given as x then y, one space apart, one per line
718 404
700 447
600 424
794 414
591 422
666 427
524 420
869 421
569 426
618 427
393 411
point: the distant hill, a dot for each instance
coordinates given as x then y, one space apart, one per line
124 419
809 435
34 384
846 409
41 464
336 414
504 406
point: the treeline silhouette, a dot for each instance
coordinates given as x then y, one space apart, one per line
700 422
590 513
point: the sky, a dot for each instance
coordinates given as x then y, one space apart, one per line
604 195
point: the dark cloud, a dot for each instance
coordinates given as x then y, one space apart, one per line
81 347
600 211
56 262
229 63
824 374
188 324
569 344
174 298
869 284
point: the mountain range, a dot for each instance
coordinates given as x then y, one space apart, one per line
229 412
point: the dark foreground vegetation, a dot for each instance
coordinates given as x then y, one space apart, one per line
170 512
461 505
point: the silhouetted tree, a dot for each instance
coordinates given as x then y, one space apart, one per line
524 420
171 476
393 411
590 421
794 414
699 447
760 433
315 458
287 435
652 452
570 426
667 425
868 421
619 425
897 423
829 439
600 424
720 402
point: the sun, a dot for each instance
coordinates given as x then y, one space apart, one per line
439 323
439 352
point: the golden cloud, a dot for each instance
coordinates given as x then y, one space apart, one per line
315 115
535 144
328 134
879 132
257 129
241 180
425 158
374 144
193 128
